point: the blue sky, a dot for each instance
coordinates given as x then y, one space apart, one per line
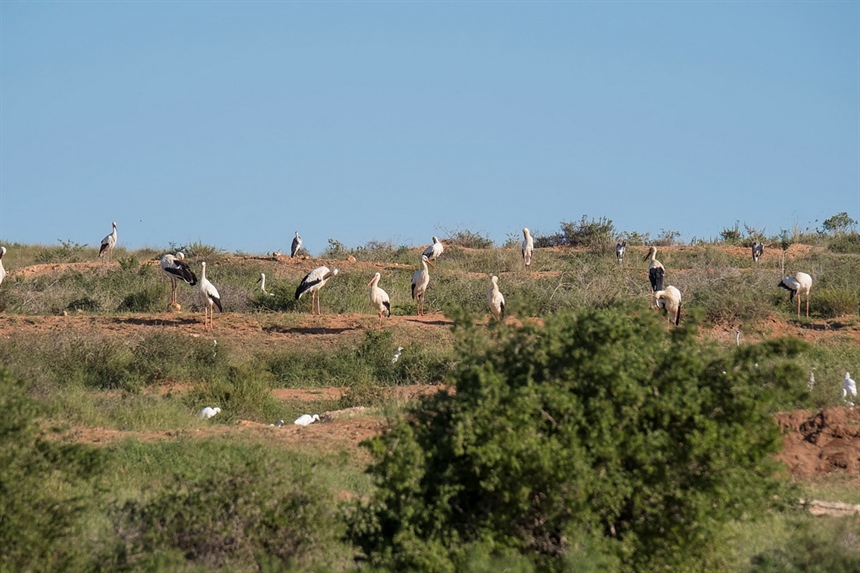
236 124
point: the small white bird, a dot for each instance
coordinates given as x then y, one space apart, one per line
209 297
528 246
738 337
208 412
379 299
435 250
849 389
297 244
810 382
799 284
619 251
108 244
2 270
175 267
420 281
396 356
306 419
496 299
313 282
669 300
262 281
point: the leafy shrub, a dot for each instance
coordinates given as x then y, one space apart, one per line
845 243
84 304
815 547
598 430
836 302
67 252
596 235
469 240
148 299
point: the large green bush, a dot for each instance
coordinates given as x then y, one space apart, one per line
599 435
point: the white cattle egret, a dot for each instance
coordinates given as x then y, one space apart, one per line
420 280
2 270
799 284
396 356
297 244
175 267
209 297
757 251
496 299
655 270
528 246
108 244
262 281
306 419
435 250
313 282
670 301
379 299
208 412
619 251
849 389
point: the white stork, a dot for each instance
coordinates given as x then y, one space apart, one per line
175 267
208 412
209 297
313 282
528 246
297 244
420 280
799 284
757 251
379 299
2 270
619 251
655 270
262 281
435 250
849 389
108 243
306 419
670 301
496 299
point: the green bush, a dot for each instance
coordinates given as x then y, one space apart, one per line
148 299
599 430
815 547
836 302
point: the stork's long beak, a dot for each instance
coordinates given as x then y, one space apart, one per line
429 262
371 281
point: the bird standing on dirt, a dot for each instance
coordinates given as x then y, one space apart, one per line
496 299
670 301
849 389
108 244
306 419
297 244
2 270
313 282
420 281
528 246
209 297
208 412
175 267
656 271
799 284
379 299
435 250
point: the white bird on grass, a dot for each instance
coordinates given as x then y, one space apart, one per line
175 267
313 282
2 270
669 300
379 299
528 246
297 244
799 284
619 251
208 412
108 243
435 250
849 389
262 281
209 297
496 299
396 356
306 419
420 281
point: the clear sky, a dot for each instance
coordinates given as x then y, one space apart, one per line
237 123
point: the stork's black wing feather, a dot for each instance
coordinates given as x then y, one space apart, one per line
655 275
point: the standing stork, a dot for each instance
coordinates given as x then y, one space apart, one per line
175 267
313 282
297 244
420 280
655 270
496 299
528 246
849 389
799 284
209 297
2 270
757 251
108 244
262 281
435 250
670 301
379 299
619 251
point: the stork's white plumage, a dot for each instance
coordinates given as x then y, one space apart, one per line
209 297
297 244
379 299
108 244
175 267
528 246
799 284
435 250
208 412
757 251
2 270
669 300
262 281
420 281
313 282
655 270
496 299
396 356
619 251
306 419
849 389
